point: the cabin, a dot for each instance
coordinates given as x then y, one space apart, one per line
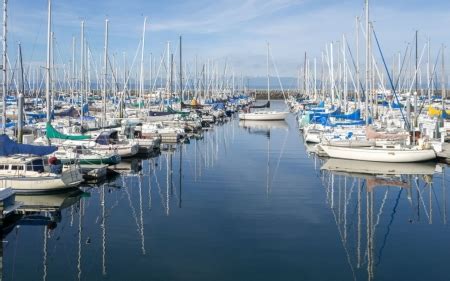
20 165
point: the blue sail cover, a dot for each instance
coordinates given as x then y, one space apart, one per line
36 115
352 116
316 116
9 147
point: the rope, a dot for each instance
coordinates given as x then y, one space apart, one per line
390 79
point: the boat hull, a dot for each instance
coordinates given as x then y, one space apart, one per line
380 155
266 116
41 184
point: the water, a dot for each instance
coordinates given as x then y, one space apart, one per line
242 207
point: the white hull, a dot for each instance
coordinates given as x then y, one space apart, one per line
312 137
169 117
122 150
380 155
41 184
263 116
351 143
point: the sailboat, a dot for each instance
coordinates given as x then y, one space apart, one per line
265 115
392 154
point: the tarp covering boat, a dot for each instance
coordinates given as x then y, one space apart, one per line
173 111
352 116
434 112
52 133
107 137
195 106
36 115
9 147
70 112
371 134
159 113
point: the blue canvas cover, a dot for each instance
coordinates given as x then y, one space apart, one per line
9 147
356 115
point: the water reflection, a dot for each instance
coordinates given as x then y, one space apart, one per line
40 210
366 197
264 128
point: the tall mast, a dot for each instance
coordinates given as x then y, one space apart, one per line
268 77
366 92
171 75
4 68
82 72
106 72
428 70
168 68
141 83
358 85
151 72
49 42
20 96
72 83
443 94
304 77
181 69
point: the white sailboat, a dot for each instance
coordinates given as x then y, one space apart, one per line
265 115
30 174
392 154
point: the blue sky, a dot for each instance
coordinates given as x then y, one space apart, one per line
232 29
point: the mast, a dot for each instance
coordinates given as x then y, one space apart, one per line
304 76
268 77
367 64
428 70
315 79
443 94
47 80
171 75
332 82
196 78
344 73
358 85
168 68
82 73
151 73
106 73
181 70
73 69
4 67
416 93
21 93
141 84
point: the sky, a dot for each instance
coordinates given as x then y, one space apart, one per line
235 31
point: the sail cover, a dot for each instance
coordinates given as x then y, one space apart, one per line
52 133
9 147
266 105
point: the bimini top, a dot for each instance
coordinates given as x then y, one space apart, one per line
9 147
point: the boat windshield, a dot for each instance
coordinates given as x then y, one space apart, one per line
36 165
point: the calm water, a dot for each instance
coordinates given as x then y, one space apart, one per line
237 205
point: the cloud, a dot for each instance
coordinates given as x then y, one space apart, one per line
224 29
223 15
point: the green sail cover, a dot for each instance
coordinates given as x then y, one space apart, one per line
182 113
52 133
